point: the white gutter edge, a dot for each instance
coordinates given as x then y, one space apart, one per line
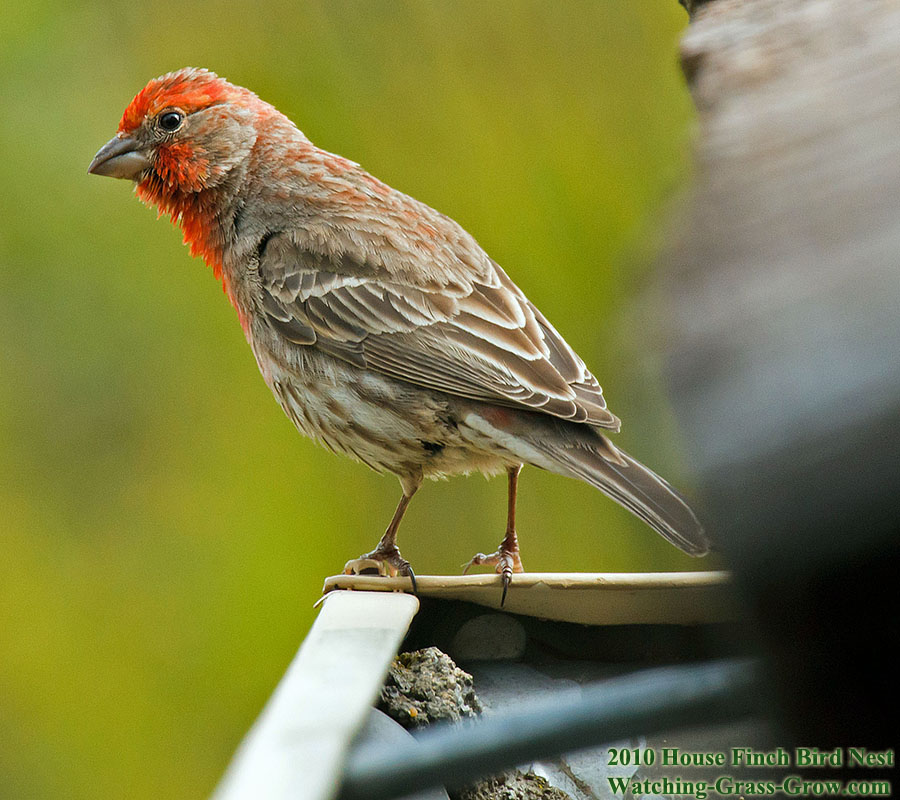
297 746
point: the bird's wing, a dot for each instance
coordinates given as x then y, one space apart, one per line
480 339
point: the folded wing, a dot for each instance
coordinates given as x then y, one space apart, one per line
478 338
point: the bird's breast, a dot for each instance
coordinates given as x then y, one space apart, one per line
384 423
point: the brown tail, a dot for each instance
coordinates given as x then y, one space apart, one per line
630 483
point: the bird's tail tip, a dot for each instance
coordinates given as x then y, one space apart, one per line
637 488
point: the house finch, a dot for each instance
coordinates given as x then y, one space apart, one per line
380 325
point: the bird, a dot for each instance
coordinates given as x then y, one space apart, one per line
384 330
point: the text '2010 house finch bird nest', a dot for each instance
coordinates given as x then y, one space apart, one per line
380 325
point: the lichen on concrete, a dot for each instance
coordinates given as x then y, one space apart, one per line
425 686
512 786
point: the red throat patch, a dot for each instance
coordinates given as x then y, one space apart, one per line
197 221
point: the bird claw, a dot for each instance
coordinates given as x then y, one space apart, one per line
366 566
505 562
387 563
476 560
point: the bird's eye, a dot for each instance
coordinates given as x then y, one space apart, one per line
171 121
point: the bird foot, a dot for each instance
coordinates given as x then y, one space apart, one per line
505 562
386 562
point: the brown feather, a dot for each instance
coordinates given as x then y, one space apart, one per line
490 344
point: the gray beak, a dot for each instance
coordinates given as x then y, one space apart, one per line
120 158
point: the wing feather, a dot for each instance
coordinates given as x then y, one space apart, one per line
484 340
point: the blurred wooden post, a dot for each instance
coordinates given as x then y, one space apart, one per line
296 749
783 293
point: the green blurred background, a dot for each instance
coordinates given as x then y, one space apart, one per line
164 530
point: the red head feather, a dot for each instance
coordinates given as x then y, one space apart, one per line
188 89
